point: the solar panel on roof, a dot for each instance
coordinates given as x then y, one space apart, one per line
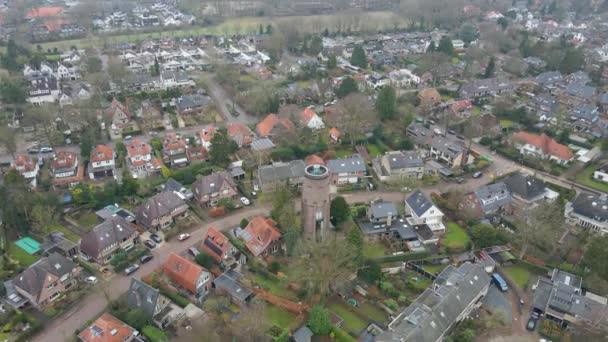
213 247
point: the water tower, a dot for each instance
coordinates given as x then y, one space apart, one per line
315 201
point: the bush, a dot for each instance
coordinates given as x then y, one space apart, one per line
391 304
403 257
274 267
244 223
342 336
206 260
175 297
319 321
154 334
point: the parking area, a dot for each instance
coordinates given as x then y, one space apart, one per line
498 301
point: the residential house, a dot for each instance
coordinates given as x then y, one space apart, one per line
240 133
219 247
310 119
261 236
396 165
450 152
494 199
273 126
419 210
196 154
154 305
528 191
229 283
205 135
101 162
161 210
140 161
576 94
429 97
453 296
119 116
549 80
108 237
66 169
47 280
27 168
208 190
269 177
335 135
382 224
588 211
350 170
107 328
376 80
601 174
56 242
542 146
43 89
562 300
486 88
403 78
187 275
174 150
193 104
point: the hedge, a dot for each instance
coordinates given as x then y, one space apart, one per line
175 297
403 257
342 336
154 334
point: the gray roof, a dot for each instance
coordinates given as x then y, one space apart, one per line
114 229
157 206
32 279
434 312
525 186
192 101
304 334
280 171
549 78
449 148
172 185
112 210
484 85
56 239
418 202
382 209
142 296
352 164
229 281
493 196
424 232
604 98
212 183
262 144
587 112
591 206
403 160
580 90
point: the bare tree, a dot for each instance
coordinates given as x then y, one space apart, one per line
540 226
318 264
8 138
251 326
355 116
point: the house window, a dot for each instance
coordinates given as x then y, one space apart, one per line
54 296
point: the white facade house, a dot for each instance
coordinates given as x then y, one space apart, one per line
403 78
420 210
601 174
310 119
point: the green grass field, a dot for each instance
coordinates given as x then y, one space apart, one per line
373 250
585 177
456 237
275 287
373 312
519 275
372 22
279 316
434 268
87 220
21 256
352 322
68 234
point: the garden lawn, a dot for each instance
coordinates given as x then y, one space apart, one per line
352 322
274 286
585 177
373 250
343 153
519 275
372 311
434 268
506 123
155 334
68 234
475 111
456 237
374 150
279 316
21 256
87 220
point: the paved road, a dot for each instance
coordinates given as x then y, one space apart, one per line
224 103
62 328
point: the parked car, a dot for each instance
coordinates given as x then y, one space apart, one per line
183 237
144 259
128 137
46 150
234 113
131 269
105 270
33 150
437 131
531 324
150 244
90 280
245 201
477 174
156 238
193 251
254 194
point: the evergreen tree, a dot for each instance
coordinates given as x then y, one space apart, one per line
573 61
319 321
432 47
347 86
358 57
332 62
386 102
490 69
269 29
339 210
445 46
261 29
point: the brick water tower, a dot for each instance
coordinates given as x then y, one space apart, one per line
315 201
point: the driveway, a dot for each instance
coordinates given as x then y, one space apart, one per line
497 301
62 328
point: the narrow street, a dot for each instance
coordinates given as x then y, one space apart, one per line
62 328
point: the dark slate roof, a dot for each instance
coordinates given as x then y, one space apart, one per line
404 160
229 281
484 85
142 296
418 202
192 101
525 186
157 206
281 171
210 184
439 306
580 90
32 279
591 206
114 229
588 113
304 334
604 99
382 209
549 78
172 185
448 147
352 164
493 196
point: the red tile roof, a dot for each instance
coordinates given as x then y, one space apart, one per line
44 12
265 127
23 163
261 233
64 159
109 328
429 95
335 133
182 271
206 133
101 153
307 115
461 105
240 133
196 153
138 148
314 159
54 24
214 242
547 144
173 141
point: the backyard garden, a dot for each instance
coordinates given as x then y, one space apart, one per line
456 238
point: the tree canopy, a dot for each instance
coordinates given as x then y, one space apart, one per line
319 321
339 211
386 103
348 86
445 46
358 57
222 147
